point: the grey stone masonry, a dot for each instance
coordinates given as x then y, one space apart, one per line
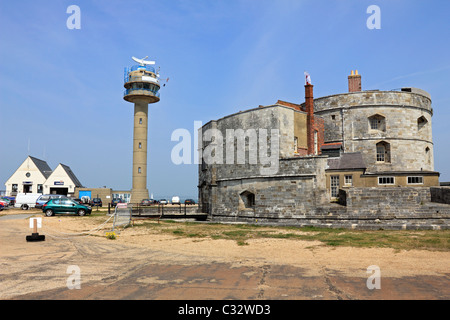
400 120
440 194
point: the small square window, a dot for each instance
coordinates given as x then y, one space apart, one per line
349 180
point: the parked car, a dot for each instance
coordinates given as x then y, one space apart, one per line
12 200
163 201
176 200
97 202
6 200
146 202
41 200
79 201
65 206
189 201
26 201
115 201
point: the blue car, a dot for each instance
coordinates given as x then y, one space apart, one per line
46 197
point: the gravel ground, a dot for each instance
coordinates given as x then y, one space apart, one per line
271 268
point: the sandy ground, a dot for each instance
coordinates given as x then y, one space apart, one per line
27 269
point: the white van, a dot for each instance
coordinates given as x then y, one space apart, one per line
26 200
175 200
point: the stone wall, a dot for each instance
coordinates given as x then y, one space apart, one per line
440 194
297 188
347 116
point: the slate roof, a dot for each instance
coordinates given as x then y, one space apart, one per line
346 161
42 166
71 175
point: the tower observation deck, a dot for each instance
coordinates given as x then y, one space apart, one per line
142 86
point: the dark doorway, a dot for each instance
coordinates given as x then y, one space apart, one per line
61 191
27 188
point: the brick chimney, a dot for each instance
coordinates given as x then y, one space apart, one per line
354 82
309 108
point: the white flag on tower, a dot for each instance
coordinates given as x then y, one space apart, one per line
307 78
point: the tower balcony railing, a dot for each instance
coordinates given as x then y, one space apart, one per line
141 79
141 91
134 68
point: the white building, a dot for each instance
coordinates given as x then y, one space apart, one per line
35 176
62 181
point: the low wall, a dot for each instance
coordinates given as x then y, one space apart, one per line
440 194
399 208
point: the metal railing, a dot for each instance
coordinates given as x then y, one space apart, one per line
147 91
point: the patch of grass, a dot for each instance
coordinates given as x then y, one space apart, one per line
437 240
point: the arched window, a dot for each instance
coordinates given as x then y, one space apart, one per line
428 155
383 152
248 198
377 122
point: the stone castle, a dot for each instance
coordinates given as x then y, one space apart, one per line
361 159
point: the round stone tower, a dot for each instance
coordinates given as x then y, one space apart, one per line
142 87
392 129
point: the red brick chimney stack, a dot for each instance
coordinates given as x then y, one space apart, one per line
354 82
309 108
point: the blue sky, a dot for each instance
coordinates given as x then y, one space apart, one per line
61 90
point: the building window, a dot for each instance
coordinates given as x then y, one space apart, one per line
383 152
377 122
139 170
427 155
39 188
415 180
334 183
349 180
140 120
386 180
140 145
333 117
316 143
248 198
14 188
421 122
295 144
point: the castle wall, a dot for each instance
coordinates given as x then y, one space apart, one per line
347 116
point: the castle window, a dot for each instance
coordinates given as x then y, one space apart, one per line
415 180
386 180
140 120
421 122
139 170
334 184
377 122
383 152
248 198
427 155
349 180
295 144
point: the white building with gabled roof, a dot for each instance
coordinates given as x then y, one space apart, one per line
29 177
35 176
62 181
